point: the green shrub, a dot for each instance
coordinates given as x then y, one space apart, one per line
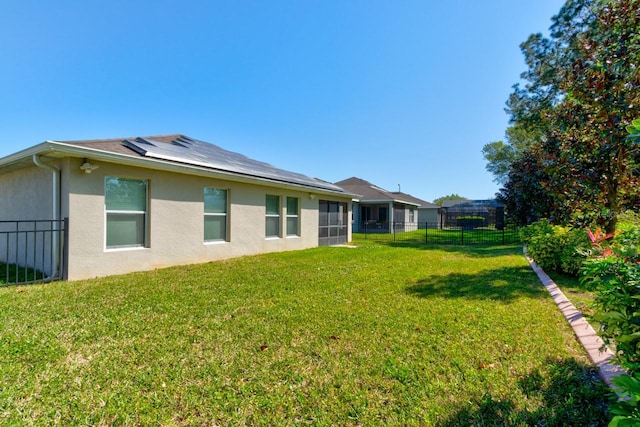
536 229
628 219
470 222
556 248
470 218
545 249
626 411
615 276
574 249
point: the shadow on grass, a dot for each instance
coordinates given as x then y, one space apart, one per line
503 284
474 250
570 394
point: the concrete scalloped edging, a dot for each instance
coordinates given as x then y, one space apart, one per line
585 334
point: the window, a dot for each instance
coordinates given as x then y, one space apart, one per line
272 228
215 215
411 215
383 215
126 212
293 227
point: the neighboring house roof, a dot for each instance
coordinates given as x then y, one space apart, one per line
421 203
166 152
370 193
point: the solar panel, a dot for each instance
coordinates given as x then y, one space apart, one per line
199 153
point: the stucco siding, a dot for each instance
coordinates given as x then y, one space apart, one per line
27 194
428 215
26 197
175 221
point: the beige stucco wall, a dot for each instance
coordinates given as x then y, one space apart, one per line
429 215
26 194
175 221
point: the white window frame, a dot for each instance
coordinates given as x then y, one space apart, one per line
225 214
273 215
295 215
145 222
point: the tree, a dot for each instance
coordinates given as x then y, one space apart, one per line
500 155
453 196
582 91
525 194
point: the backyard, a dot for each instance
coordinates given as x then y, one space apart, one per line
385 333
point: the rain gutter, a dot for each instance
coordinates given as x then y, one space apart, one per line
55 174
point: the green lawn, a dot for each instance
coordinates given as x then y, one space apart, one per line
445 236
12 274
373 335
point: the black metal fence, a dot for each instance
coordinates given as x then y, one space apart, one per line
33 251
432 233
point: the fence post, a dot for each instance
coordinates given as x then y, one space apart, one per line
462 229
426 232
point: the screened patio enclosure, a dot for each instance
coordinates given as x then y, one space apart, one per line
333 222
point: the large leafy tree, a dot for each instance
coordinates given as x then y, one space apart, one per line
582 90
602 98
500 155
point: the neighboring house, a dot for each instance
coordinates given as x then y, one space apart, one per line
472 213
376 209
149 202
427 212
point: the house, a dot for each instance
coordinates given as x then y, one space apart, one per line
148 202
472 214
377 209
427 211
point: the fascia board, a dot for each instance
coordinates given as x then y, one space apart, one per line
365 201
27 153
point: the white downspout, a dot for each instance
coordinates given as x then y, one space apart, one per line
55 173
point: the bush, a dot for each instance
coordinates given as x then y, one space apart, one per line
470 222
575 245
614 273
556 248
536 229
545 249
626 411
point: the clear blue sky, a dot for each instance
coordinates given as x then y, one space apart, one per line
394 92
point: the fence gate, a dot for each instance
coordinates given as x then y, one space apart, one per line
33 251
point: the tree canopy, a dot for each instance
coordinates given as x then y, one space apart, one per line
567 154
453 196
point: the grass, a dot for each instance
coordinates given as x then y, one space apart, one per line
378 334
445 236
579 294
11 273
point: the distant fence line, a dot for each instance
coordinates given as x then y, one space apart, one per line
433 233
33 251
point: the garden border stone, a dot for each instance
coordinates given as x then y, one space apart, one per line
600 355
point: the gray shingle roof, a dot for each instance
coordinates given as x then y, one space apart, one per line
422 203
182 149
371 192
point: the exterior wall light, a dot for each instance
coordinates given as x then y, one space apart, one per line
87 167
